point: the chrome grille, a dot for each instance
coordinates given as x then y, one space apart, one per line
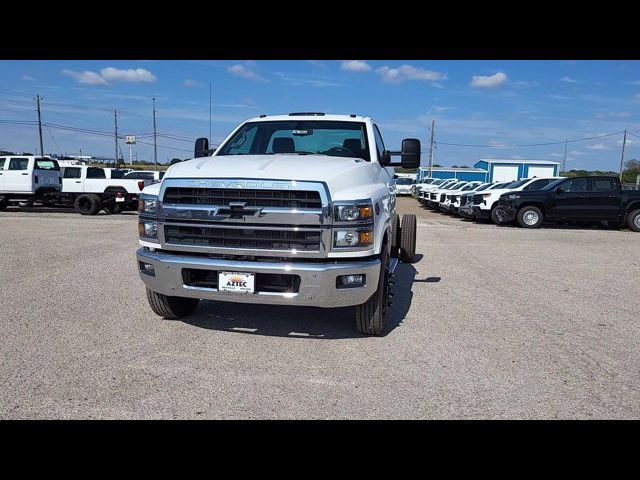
252 197
243 238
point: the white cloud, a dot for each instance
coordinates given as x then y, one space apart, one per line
568 80
86 77
243 72
598 146
355 66
192 83
110 74
409 72
492 81
137 75
300 80
577 153
28 78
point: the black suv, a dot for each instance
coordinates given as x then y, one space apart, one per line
577 199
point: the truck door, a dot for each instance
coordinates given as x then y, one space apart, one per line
3 161
604 199
16 177
94 182
569 200
72 180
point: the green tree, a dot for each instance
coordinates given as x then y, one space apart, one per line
174 161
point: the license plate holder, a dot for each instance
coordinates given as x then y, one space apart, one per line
236 282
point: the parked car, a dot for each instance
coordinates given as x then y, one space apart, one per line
25 179
484 203
577 199
404 185
452 198
438 195
153 175
423 194
92 189
466 199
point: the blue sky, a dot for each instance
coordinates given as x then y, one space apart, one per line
473 102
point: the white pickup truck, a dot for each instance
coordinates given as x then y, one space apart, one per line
26 179
294 209
92 189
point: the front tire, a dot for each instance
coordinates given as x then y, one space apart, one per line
171 308
3 205
530 217
371 316
408 238
633 220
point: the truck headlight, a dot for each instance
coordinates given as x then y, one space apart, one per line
353 212
353 238
148 229
147 205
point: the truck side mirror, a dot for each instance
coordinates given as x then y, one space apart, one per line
410 153
202 148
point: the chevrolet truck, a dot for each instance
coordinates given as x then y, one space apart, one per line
294 209
577 199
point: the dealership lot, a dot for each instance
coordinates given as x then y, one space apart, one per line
492 322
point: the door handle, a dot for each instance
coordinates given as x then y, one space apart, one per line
25 174
78 181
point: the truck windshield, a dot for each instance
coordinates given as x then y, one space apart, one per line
517 184
553 184
404 181
310 137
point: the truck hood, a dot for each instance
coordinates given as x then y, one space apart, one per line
339 173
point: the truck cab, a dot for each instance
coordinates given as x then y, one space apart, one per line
28 178
294 209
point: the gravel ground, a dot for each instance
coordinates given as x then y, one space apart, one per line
492 322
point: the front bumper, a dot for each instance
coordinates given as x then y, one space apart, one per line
317 280
480 213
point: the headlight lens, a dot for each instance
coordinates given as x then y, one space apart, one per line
148 229
147 205
353 238
353 212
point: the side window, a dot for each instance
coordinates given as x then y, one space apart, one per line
18 164
242 144
603 184
71 172
161 175
46 164
379 142
537 185
2 160
94 172
575 185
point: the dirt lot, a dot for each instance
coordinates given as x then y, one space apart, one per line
492 322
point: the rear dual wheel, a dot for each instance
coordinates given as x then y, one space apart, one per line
88 204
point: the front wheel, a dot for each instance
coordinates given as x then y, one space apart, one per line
633 220
171 308
371 316
530 217
3 204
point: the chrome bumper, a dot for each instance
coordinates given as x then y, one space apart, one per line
317 280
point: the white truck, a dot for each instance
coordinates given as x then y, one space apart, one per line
294 209
485 203
26 179
92 189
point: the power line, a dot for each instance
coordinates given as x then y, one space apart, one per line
529 144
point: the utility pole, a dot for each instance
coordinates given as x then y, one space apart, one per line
564 159
40 124
115 117
431 142
624 144
209 112
155 146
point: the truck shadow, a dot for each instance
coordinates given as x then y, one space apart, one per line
61 209
300 322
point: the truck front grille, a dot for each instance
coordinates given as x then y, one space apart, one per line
265 282
243 238
463 200
477 199
252 197
442 197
